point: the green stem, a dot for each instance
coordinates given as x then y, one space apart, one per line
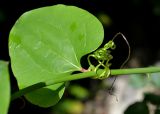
135 71
83 75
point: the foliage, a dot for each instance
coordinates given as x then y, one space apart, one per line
142 106
4 87
48 43
68 106
78 91
137 108
140 80
45 48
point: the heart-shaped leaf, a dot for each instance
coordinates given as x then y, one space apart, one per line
4 87
48 43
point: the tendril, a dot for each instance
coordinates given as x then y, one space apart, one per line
103 57
123 64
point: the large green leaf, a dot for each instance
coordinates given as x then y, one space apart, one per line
4 87
48 42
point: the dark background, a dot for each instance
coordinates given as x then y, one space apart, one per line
138 20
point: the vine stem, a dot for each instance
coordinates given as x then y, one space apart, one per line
85 74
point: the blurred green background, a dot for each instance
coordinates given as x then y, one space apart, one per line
138 20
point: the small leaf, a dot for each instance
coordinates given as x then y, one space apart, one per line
137 80
78 91
48 43
69 106
137 108
155 79
4 87
152 98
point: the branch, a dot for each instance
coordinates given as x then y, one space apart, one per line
81 76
